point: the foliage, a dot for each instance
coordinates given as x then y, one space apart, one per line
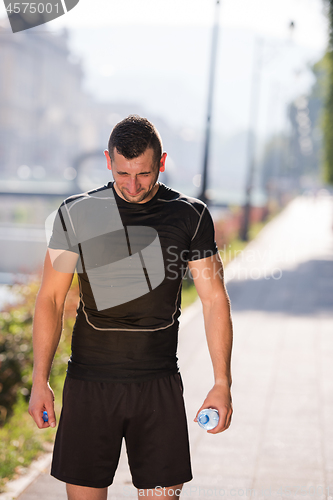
20 442
328 108
20 439
189 292
15 352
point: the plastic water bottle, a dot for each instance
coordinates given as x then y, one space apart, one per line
208 418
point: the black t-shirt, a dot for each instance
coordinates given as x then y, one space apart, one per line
132 258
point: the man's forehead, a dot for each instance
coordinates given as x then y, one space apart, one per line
146 160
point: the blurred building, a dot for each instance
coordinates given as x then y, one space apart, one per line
44 112
50 124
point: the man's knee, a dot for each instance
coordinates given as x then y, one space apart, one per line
75 492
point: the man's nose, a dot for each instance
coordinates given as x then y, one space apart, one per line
133 185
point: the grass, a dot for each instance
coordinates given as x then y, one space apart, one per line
20 443
189 296
20 439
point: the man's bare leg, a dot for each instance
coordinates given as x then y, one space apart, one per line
75 492
161 492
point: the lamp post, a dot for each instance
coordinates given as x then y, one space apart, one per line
254 113
204 179
251 143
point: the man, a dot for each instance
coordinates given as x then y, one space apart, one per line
131 242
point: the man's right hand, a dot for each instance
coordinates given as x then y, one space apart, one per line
41 399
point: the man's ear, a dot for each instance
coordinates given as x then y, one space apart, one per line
108 159
162 162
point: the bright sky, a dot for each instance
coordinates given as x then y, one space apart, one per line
263 16
240 20
267 17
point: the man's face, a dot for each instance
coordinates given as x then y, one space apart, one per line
135 179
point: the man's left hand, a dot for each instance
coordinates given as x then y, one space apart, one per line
219 398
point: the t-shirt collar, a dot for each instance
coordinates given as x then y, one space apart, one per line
136 206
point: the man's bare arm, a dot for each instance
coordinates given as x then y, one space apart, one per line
208 279
47 328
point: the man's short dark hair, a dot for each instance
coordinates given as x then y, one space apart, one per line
132 136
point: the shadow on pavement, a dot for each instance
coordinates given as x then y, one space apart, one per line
305 290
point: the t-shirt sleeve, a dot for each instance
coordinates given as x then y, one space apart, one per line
203 240
63 236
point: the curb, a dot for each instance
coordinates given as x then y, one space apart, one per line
17 486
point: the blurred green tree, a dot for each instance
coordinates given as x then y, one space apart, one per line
328 108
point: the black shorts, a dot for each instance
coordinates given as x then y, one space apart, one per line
96 416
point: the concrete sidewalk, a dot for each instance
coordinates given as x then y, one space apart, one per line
280 442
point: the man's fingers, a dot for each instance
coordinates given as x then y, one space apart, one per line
219 428
42 400
227 420
51 415
223 424
37 415
225 412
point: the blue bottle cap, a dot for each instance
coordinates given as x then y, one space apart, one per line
45 416
203 419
